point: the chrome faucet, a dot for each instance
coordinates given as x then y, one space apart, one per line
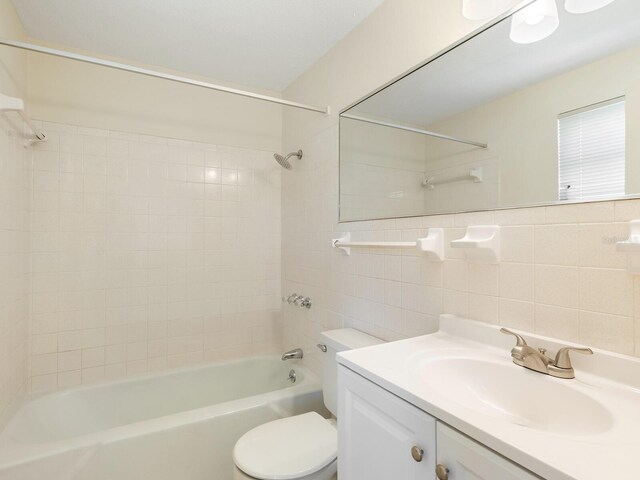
291 354
299 301
537 360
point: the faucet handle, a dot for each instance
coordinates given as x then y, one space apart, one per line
521 342
562 357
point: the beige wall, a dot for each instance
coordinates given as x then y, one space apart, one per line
13 65
71 92
14 217
559 275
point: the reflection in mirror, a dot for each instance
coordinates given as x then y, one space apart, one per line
494 123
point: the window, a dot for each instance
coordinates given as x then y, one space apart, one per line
591 151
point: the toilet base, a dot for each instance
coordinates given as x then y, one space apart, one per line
327 473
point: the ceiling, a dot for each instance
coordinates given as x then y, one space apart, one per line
257 43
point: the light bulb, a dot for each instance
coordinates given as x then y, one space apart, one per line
535 22
485 9
534 19
585 6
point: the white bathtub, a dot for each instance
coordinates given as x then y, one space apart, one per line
179 425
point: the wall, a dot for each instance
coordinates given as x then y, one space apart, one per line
559 275
14 217
66 91
144 249
145 255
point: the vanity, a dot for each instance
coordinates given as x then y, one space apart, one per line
488 124
453 405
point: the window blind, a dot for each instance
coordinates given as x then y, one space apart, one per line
591 151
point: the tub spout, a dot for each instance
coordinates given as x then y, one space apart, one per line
291 354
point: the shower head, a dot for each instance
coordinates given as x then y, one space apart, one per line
284 161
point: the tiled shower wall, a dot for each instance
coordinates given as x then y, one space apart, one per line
559 274
14 248
149 253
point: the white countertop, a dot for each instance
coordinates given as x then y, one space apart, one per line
605 444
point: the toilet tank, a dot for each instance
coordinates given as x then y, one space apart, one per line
338 341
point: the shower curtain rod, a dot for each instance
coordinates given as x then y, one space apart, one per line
153 73
415 130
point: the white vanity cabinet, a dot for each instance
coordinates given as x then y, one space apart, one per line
461 458
382 437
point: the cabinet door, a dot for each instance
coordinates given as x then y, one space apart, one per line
468 460
377 432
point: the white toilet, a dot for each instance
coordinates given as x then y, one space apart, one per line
302 447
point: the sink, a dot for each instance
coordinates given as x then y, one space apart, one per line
516 395
563 429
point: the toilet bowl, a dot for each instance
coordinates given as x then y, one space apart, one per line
302 447
328 473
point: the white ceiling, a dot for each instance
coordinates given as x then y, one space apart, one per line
258 43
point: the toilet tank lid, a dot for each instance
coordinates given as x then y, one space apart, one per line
348 339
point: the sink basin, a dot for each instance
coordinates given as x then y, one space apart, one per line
516 395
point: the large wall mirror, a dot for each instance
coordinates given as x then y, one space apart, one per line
497 123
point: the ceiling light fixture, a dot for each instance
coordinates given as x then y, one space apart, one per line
585 6
535 22
485 9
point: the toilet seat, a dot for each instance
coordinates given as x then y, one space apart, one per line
287 449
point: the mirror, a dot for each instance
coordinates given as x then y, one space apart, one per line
493 124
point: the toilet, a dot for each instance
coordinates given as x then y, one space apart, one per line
302 447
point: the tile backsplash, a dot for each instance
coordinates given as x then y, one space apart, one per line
149 253
559 274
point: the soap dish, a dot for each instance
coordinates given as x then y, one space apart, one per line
481 243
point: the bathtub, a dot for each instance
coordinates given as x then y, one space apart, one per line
178 425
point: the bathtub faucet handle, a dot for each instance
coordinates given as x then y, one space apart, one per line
291 354
306 303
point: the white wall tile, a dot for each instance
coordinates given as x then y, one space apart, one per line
598 245
610 332
559 273
129 259
556 244
517 314
556 285
517 281
606 291
559 322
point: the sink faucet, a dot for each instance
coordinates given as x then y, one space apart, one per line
291 354
537 360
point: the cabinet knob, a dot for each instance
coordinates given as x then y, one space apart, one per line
442 472
417 453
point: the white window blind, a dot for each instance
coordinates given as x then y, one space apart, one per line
591 151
